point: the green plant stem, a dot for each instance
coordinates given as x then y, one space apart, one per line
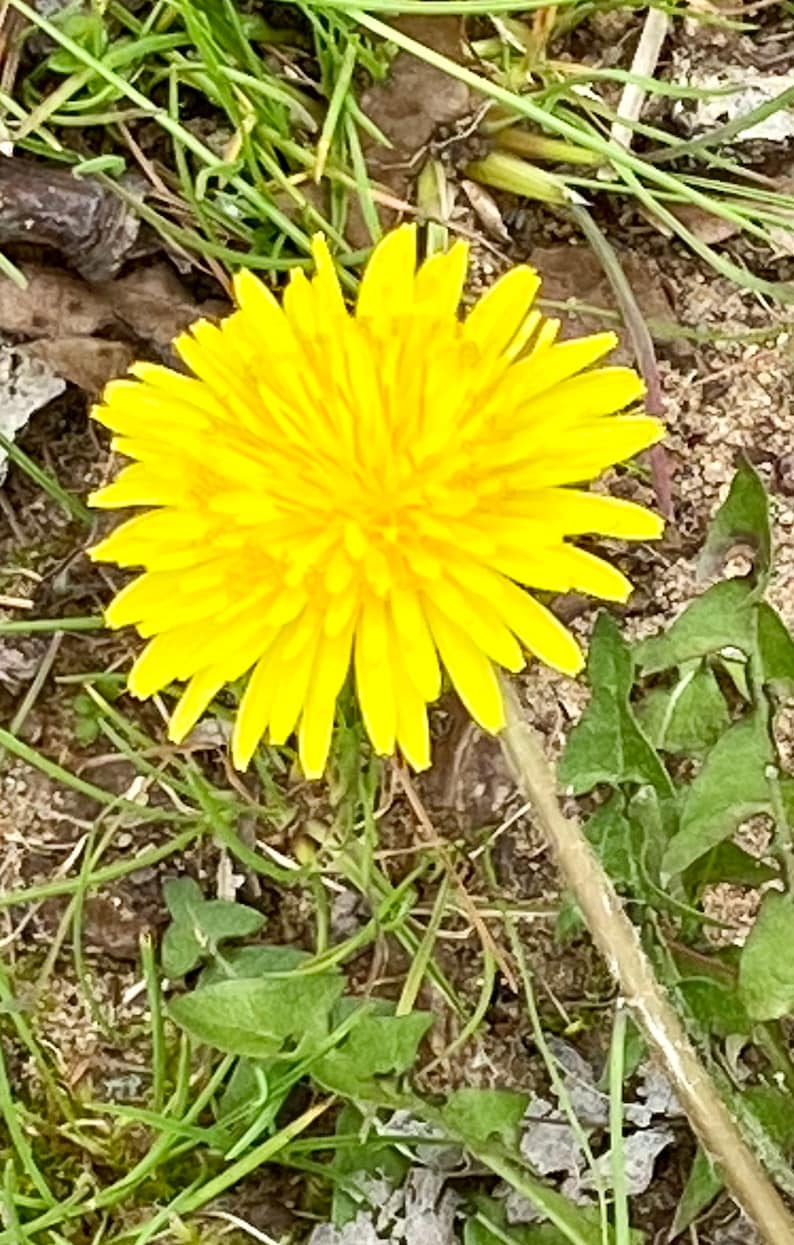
32 694
72 506
156 1025
619 942
109 873
35 625
557 1082
617 1156
16 1133
424 952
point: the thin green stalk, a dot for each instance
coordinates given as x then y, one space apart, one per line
478 1015
9 269
724 133
77 905
617 1156
154 995
109 873
566 1217
197 1195
112 1194
336 105
16 1133
73 507
321 915
16 1017
32 694
9 1204
362 181
59 774
437 8
31 626
552 1068
424 952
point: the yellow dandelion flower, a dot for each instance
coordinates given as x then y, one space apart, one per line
371 490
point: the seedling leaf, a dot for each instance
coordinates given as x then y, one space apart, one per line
766 968
199 925
378 1046
731 786
607 745
722 618
776 650
742 519
257 1017
689 718
715 1006
702 1186
478 1115
253 962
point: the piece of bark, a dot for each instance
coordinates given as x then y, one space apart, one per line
85 222
89 333
54 304
154 304
88 362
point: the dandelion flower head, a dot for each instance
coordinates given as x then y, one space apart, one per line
370 491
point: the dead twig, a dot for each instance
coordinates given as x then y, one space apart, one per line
619 942
654 33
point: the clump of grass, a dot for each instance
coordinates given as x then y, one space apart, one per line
283 151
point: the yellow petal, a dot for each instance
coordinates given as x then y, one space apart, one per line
137 598
415 643
480 622
375 685
499 314
535 375
539 631
440 280
592 448
593 575
387 287
299 305
584 397
154 668
263 312
163 383
472 674
293 681
131 407
194 700
330 671
252 716
132 540
413 734
137 485
326 283
576 512
547 336
525 331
